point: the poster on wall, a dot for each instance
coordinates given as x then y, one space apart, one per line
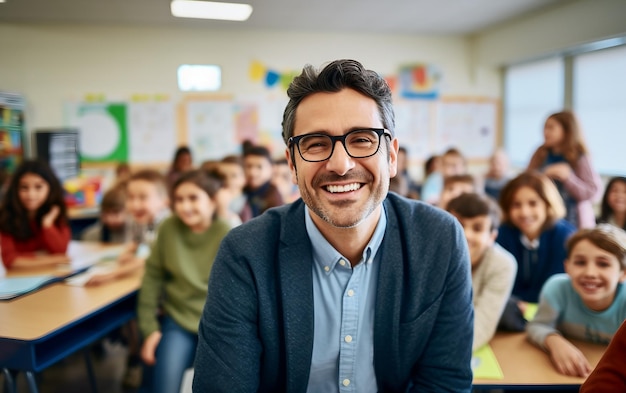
103 130
468 126
211 129
11 131
151 132
413 125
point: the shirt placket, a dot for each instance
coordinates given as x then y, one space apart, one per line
349 332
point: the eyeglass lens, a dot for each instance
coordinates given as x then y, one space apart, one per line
358 144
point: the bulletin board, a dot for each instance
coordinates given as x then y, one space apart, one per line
216 125
471 124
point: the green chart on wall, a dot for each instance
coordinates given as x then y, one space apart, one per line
103 130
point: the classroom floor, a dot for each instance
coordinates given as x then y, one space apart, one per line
70 374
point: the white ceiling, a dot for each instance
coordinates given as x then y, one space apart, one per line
374 16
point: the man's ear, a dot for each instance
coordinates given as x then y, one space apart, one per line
393 157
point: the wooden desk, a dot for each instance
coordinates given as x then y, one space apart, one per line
526 366
47 325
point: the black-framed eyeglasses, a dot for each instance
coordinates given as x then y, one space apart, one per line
360 143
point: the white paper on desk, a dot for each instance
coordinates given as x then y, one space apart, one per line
79 280
85 254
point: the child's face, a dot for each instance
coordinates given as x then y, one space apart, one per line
478 234
33 191
553 133
113 219
183 163
235 177
528 212
453 190
193 206
595 274
144 201
258 171
617 197
452 165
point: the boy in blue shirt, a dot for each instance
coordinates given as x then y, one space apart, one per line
587 303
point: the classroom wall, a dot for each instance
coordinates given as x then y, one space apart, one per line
551 31
51 64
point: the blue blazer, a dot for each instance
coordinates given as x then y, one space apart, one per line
256 332
534 270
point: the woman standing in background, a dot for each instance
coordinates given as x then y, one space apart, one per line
564 158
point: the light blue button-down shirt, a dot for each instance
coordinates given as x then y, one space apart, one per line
344 299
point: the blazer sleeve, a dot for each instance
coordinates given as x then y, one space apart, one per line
229 349
584 183
445 364
610 373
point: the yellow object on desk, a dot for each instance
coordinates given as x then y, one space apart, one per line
485 365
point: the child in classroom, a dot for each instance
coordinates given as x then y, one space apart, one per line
497 174
176 280
609 375
453 163
281 178
587 303
493 268
147 205
231 168
182 162
613 206
260 191
433 180
564 158
34 228
455 185
534 232
111 228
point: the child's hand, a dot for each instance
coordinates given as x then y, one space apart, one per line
48 220
566 357
100 279
148 350
560 171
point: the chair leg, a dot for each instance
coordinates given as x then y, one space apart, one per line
9 381
90 373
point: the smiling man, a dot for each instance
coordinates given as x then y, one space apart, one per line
348 289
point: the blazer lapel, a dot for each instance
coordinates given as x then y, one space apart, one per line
388 296
296 293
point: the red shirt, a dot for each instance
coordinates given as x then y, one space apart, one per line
53 240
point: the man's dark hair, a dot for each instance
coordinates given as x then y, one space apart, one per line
334 77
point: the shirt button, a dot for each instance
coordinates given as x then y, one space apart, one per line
348 338
342 262
345 382
326 268
350 292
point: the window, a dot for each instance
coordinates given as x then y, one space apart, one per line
199 77
532 92
600 104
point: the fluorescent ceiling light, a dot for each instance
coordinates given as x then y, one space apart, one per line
210 10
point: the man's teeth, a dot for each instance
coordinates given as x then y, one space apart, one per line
344 188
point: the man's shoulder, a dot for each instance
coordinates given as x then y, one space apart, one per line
270 223
416 213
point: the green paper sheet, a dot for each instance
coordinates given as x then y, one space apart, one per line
485 365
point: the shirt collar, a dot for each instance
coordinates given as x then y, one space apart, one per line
325 254
529 244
